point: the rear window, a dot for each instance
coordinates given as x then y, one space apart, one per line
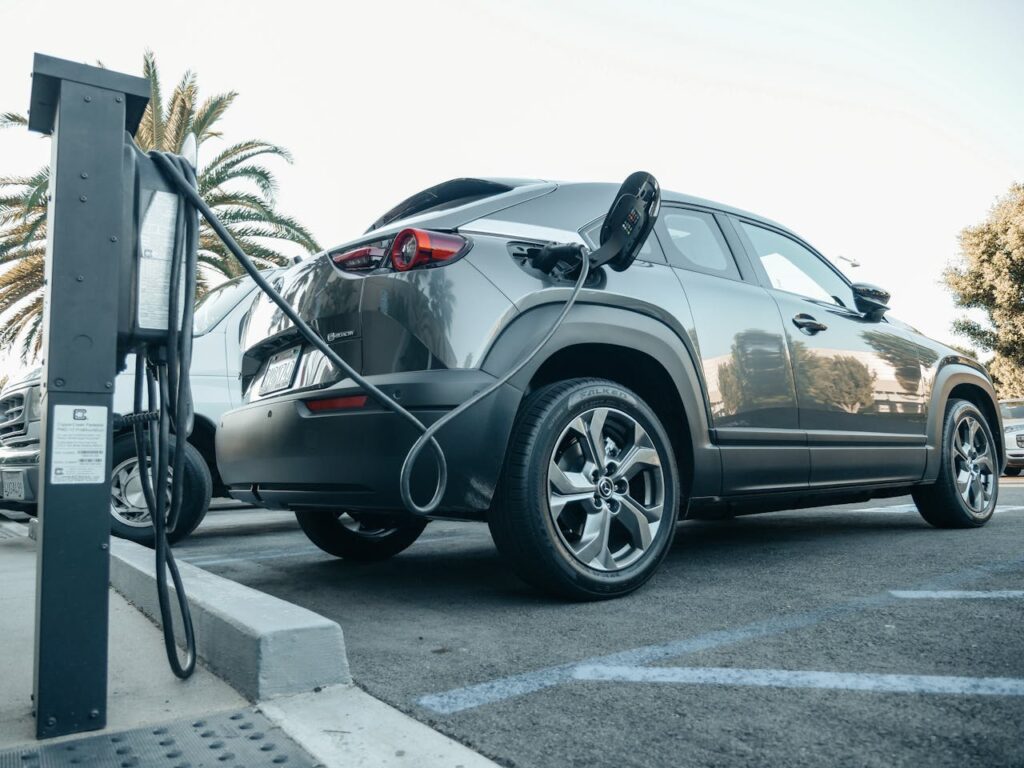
448 194
215 305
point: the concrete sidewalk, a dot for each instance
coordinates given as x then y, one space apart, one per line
142 688
148 707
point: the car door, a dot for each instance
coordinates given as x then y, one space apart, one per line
743 353
860 384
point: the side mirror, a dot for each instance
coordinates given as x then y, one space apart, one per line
871 301
629 221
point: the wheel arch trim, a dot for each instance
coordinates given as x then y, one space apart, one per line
590 324
954 373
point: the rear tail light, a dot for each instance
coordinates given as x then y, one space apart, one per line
414 248
361 259
336 403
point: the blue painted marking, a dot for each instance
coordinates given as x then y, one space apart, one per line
492 691
785 678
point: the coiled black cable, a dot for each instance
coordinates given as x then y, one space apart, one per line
164 369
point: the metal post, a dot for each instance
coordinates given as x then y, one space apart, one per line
87 110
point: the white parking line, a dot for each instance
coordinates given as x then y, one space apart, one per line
497 690
784 678
904 509
957 594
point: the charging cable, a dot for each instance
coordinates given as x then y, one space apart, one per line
171 168
162 375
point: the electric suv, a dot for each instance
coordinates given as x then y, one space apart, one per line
731 369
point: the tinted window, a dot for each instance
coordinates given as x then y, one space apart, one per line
213 307
693 240
793 268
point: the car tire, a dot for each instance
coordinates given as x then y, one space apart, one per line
1011 471
347 536
129 518
590 547
965 492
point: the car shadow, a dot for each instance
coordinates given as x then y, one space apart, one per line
465 571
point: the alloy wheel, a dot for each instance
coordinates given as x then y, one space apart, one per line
127 501
606 489
973 465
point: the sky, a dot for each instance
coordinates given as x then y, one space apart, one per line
876 130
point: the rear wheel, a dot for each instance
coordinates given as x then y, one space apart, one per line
590 491
355 536
1011 471
965 492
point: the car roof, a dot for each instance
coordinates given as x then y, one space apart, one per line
556 205
606 189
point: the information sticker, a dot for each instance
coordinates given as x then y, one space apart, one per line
79 453
156 243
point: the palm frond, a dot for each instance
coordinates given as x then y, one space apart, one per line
209 113
233 152
180 112
12 120
235 183
151 129
265 181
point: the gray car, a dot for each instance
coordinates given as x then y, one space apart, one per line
732 369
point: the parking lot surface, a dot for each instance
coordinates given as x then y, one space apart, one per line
850 635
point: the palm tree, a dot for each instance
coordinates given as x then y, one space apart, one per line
234 183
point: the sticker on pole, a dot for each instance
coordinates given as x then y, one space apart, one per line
79 453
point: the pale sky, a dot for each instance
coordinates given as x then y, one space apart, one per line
876 130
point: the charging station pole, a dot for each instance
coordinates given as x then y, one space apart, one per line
87 110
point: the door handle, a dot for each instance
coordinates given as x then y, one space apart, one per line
808 324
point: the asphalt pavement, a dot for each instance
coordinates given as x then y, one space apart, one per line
848 635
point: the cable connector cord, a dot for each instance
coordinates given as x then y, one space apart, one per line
427 434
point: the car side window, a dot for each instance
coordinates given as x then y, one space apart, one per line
795 269
650 251
693 240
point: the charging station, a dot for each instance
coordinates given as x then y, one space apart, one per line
87 110
123 235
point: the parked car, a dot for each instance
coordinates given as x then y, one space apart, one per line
215 386
731 369
1013 434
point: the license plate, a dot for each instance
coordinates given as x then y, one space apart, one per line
14 485
280 371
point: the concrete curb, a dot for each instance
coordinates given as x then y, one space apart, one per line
262 646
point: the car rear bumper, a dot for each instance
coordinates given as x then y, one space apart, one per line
25 462
278 453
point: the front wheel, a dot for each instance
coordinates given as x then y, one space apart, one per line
355 536
590 491
965 492
129 515
1011 471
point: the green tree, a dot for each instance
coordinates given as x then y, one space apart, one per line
234 182
990 277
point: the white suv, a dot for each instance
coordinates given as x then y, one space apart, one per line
1013 434
216 388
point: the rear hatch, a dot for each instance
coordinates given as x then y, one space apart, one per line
328 293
